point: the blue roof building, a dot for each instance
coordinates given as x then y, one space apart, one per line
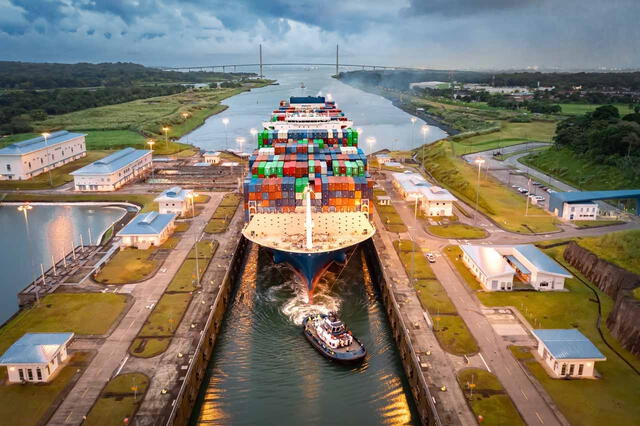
35 357
113 171
31 157
148 229
175 200
559 201
567 352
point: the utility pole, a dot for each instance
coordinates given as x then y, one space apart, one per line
261 61
337 60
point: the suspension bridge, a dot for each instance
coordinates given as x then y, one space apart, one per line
261 64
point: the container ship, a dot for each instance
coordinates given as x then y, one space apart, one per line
308 195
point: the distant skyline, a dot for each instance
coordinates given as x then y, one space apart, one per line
457 34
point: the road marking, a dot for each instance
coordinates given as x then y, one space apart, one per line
484 362
539 418
122 365
426 318
524 394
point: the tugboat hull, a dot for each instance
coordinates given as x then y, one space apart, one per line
353 353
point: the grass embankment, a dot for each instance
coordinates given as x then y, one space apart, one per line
487 398
584 224
504 206
81 313
581 109
143 200
32 404
59 176
620 248
569 167
454 254
503 157
223 215
155 336
610 399
449 328
147 117
388 214
119 400
509 134
459 231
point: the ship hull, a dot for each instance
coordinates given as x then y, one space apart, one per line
309 266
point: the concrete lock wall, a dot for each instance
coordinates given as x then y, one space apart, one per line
188 394
410 361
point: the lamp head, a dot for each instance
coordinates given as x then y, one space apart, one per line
225 121
413 119
46 135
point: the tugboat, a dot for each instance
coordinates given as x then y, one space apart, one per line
331 338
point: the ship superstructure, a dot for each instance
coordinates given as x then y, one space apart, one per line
308 195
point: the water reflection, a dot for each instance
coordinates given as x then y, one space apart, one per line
264 371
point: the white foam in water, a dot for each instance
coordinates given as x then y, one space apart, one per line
298 307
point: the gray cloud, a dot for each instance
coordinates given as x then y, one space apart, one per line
464 7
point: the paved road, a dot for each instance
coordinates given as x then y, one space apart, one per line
114 351
525 396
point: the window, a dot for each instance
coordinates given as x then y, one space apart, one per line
21 374
39 373
571 369
8 167
564 370
555 366
580 369
30 373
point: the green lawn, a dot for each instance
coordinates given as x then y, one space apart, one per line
509 134
59 176
114 139
581 109
389 215
488 399
454 254
166 315
581 173
620 248
503 157
182 227
127 266
81 313
449 328
610 400
144 201
29 404
224 214
595 223
119 399
7 140
503 205
457 231
148 347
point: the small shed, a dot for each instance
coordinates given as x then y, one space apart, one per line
567 353
36 357
384 200
148 229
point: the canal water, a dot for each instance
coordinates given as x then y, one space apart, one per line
376 116
52 231
264 371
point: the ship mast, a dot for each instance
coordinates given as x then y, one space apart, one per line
308 223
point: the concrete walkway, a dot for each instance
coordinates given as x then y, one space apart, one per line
494 350
114 351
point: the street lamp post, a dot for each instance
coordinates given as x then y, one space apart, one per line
413 127
225 121
24 208
185 115
166 129
193 196
241 140
46 135
479 162
151 142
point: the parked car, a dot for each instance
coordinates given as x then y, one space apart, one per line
539 197
537 183
431 258
523 190
551 191
515 186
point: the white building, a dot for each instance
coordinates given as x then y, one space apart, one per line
212 157
36 357
175 200
567 353
432 200
495 267
488 266
28 158
580 211
148 229
383 158
113 171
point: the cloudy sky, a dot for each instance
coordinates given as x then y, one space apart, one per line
463 34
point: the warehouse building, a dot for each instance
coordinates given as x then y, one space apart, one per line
496 266
148 229
432 200
113 171
29 158
567 353
175 200
36 357
212 157
580 205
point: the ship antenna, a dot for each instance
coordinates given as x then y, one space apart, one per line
308 223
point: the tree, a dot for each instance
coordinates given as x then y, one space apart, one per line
606 112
